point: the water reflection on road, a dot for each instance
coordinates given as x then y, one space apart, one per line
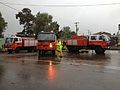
88 58
110 58
1 71
51 71
24 71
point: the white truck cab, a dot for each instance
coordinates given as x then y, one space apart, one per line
99 38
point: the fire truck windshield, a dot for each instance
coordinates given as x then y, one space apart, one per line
47 36
8 39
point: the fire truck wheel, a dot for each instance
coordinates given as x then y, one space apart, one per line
99 50
29 50
53 52
39 53
69 49
17 50
73 49
35 50
10 51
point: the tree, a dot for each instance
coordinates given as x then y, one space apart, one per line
66 32
3 24
73 33
43 22
54 27
26 19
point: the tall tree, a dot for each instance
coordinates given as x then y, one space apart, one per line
66 32
54 27
3 24
26 19
43 22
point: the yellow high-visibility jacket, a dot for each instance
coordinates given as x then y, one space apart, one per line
59 45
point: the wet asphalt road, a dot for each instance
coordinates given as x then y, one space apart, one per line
83 71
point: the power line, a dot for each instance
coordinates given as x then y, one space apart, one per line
60 5
53 5
9 6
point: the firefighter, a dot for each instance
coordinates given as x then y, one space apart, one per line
59 48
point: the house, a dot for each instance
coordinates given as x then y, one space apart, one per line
105 33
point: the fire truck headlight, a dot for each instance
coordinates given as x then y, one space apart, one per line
50 45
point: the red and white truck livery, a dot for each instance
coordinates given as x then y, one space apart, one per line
99 43
46 42
17 43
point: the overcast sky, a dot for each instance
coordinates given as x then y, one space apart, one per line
93 18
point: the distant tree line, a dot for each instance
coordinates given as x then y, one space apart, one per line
3 24
33 24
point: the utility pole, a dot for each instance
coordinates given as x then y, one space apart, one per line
118 29
89 33
76 26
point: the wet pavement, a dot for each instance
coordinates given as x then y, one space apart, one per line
83 71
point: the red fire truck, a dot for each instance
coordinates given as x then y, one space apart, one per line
46 43
17 43
99 43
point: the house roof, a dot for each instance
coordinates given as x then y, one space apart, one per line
99 33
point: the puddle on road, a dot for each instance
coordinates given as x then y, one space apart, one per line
1 71
48 60
16 56
110 58
92 59
88 58
31 58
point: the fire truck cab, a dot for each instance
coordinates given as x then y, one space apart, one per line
99 43
46 42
